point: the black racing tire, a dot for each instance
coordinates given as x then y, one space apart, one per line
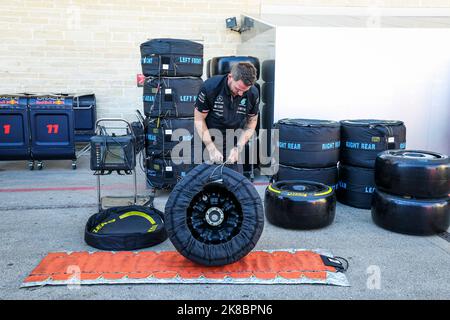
223 65
214 216
327 176
268 70
355 186
362 140
413 173
410 216
299 204
307 143
266 116
208 69
102 233
268 93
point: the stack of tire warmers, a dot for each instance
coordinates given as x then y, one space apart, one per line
173 68
268 99
361 142
412 193
214 216
221 66
308 150
300 204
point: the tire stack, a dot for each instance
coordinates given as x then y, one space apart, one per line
412 194
308 150
268 99
361 142
173 68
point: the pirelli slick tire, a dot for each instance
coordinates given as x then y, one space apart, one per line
214 216
125 228
418 174
410 216
300 204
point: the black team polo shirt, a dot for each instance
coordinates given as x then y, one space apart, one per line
224 110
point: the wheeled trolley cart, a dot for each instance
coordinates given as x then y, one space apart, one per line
52 128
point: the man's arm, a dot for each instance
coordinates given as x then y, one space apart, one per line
203 132
249 130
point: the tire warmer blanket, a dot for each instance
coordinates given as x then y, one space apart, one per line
258 267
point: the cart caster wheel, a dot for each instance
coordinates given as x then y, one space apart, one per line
74 166
40 165
31 165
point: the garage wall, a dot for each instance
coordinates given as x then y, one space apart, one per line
78 45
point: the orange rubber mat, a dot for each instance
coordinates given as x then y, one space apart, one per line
259 267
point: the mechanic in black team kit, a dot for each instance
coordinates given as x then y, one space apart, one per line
228 102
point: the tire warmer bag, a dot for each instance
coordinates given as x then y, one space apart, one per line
164 173
308 143
125 228
171 97
160 132
172 57
205 191
327 176
362 140
356 186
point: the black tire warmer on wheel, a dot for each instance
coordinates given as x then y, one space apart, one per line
125 228
171 97
417 174
362 140
355 186
160 134
410 216
327 176
172 58
214 215
300 204
165 172
308 143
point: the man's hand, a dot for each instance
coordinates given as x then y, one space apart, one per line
214 154
234 155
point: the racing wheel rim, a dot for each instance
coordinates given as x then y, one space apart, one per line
214 215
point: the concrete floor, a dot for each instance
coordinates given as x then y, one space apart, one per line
37 219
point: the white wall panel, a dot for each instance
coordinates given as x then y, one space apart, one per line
380 73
